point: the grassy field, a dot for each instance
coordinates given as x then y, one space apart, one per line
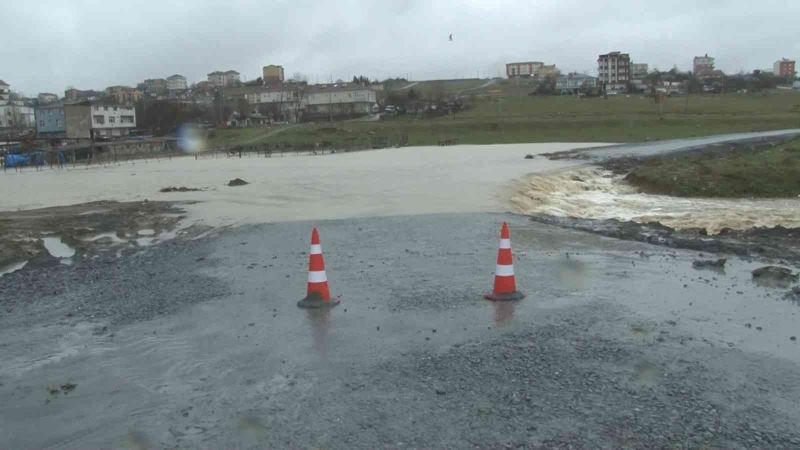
515 119
765 172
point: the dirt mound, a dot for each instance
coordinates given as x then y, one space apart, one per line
179 189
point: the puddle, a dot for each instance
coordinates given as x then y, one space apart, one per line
147 232
152 240
57 248
12 267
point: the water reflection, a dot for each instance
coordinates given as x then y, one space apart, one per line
503 313
320 325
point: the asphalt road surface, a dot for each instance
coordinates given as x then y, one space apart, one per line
198 343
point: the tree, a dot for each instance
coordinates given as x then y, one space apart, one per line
298 77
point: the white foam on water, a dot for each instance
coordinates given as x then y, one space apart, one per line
594 193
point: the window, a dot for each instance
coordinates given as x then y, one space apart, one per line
99 120
111 119
41 123
126 119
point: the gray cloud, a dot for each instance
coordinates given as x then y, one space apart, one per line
90 44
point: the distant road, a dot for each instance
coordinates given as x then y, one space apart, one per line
676 145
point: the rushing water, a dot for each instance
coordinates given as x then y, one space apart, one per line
593 193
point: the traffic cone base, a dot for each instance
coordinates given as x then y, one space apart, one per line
505 283
516 295
315 301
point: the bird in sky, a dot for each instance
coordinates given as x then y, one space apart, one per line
451 37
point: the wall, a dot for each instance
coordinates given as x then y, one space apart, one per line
50 120
78 121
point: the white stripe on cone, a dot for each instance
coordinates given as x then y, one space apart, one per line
504 271
505 243
317 277
316 249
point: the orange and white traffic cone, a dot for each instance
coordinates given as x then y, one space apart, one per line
317 293
505 284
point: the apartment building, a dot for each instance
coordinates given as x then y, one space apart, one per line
123 95
15 114
272 74
614 70
176 83
111 121
64 121
784 68
575 82
639 71
703 66
325 101
224 79
523 69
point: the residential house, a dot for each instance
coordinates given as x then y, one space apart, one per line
523 69
639 71
153 86
614 71
224 79
328 101
76 95
703 66
14 113
64 121
5 90
784 68
45 97
279 101
176 83
574 83
272 74
111 121
123 95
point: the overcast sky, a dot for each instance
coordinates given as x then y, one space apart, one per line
48 45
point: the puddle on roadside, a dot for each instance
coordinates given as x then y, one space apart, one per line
13 267
57 248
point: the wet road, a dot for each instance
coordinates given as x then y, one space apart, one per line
617 344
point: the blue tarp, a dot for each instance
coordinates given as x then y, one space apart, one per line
28 159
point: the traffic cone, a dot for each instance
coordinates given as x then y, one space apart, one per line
505 284
317 293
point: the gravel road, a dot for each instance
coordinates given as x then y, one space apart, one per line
198 343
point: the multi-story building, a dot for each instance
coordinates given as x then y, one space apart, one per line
638 71
176 83
84 120
75 95
326 101
523 69
14 113
64 121
123 95
784 68
5 90
224 79
109 121
154 86
278 101
272 74
614 70
703 66
574 83
46 97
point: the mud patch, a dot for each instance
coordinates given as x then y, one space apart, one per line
770 243
86 229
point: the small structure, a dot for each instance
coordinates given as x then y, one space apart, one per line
574 83
176 83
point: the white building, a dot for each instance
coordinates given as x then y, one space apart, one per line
5 90
223 79
177 83
16 114
112 121
337 100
